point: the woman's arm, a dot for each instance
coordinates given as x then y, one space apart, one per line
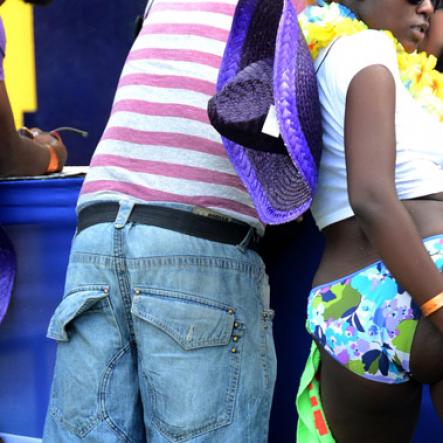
20 155
370 160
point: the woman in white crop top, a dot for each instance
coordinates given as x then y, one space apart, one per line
375 311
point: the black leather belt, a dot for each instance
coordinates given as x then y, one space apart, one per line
210 227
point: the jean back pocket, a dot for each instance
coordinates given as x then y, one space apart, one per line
190 361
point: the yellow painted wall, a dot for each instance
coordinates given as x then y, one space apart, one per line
19 62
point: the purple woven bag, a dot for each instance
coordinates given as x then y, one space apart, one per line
266 61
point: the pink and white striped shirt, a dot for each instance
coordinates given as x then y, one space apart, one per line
158 145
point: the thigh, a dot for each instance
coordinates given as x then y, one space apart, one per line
437 397
364 411
426 362
200 317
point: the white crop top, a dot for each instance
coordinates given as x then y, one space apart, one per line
419 135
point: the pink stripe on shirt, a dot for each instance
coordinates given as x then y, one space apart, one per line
168 170
178 55
169 81
169 139
187 29
147 194
162 109
218 8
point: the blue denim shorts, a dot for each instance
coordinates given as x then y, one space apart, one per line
162 337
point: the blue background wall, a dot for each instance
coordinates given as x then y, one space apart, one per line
81 46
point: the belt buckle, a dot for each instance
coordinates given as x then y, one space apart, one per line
209 213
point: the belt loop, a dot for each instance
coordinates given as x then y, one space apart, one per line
243 246
124 212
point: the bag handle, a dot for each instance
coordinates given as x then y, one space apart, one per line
148 8
141 18
327 52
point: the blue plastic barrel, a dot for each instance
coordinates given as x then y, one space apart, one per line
39 218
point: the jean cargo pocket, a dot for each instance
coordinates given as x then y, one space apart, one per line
87 335
191 361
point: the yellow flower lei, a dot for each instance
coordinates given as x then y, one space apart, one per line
322 24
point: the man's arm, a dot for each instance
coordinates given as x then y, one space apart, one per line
21 155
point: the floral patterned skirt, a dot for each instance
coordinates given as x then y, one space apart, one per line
366 320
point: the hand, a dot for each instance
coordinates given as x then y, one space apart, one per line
51 139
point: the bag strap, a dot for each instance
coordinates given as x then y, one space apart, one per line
327 52
140 19
148 8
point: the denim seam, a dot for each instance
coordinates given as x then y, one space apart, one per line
124 286
173 333
118 246
82 431
115 320
263 352
259 281
183 261
185 297
151 386
101 261
232 392
101 395
88 287
122 275
267 330
193 260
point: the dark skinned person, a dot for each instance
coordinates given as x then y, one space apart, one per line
375 308
25 152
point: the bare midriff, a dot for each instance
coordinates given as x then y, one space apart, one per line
347 249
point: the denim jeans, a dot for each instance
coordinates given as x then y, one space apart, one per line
162 337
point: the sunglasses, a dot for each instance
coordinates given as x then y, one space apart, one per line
435 3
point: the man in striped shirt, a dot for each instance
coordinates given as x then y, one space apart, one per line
165 332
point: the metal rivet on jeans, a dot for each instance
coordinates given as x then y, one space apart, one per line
231 311
234 350
106 290
235 338
236 324
137 291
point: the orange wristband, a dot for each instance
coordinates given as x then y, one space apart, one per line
432 305
56 135
53 165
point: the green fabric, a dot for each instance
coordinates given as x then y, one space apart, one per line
306 429
403 341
